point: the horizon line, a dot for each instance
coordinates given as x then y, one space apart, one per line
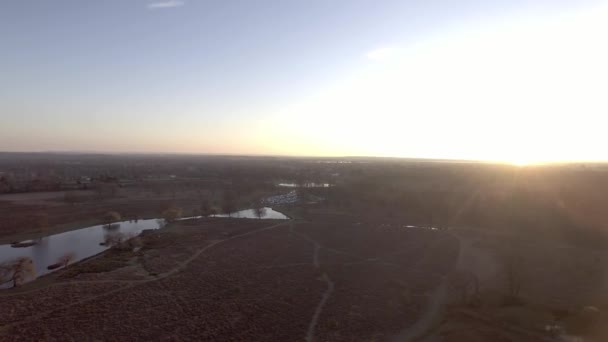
220 154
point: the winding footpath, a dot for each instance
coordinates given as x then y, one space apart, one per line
431 316
434 310
428 320
310 334
134 283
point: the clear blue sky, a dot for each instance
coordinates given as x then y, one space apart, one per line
268 77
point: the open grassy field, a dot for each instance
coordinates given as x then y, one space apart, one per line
241 279
390 252
31 215
563 292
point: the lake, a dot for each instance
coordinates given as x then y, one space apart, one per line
85 242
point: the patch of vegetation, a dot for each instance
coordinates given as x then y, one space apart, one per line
112 260
158 240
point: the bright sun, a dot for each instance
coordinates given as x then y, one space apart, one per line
521 162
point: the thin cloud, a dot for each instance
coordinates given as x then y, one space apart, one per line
166 4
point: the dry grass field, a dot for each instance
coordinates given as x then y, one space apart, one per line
240 279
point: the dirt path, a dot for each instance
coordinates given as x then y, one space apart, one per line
430 317
434 310
131 284
310 333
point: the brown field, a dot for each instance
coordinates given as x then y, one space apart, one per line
346 268
240 280
561 285
32 215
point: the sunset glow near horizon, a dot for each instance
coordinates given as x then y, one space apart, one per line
512 81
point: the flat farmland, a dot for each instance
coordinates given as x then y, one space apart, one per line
241 280
33 218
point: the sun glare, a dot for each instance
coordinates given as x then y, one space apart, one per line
492 94
520 162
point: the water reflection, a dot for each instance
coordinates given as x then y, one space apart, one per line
83 243
86 242
305 185
267 213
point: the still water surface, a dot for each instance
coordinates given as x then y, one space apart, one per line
85 242
305 185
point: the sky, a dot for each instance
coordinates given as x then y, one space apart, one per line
513 80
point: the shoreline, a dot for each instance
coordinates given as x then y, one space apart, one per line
57 229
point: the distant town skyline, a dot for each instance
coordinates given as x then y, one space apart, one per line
515 81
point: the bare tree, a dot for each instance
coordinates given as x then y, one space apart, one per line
17 271
229 203
111 217
66 259
5 185
5 273
259 210
514 271
205 208
172 214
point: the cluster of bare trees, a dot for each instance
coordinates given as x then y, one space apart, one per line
63 261
17 271
208 209
229 203
512 270
20 270
258 209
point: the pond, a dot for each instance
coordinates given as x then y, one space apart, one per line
305 185
86 242
288 198
267 213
